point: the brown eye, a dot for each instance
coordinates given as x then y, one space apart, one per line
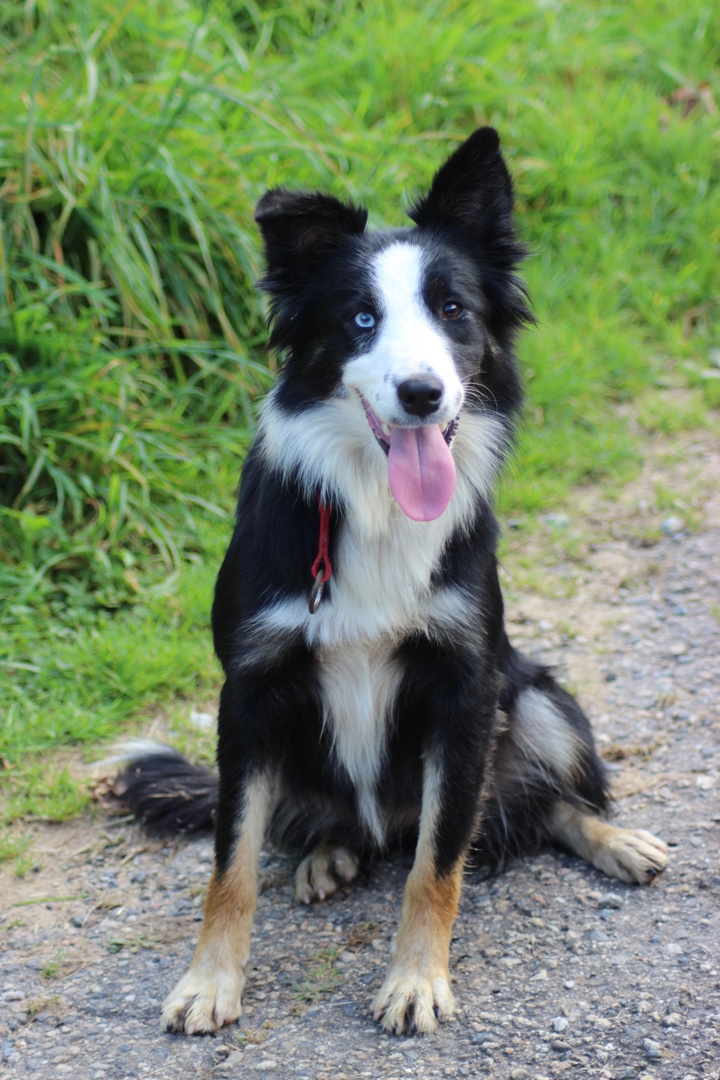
451 310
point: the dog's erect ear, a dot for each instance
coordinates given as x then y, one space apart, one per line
472 196
472 189
303 226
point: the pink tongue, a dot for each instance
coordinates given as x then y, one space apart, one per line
421 471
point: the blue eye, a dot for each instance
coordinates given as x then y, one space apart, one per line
365 320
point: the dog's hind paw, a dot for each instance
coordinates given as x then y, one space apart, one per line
412 1004
632 855
199 1005
316 876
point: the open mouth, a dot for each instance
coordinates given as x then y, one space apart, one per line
421 469
383 432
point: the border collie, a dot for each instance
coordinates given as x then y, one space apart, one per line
371 694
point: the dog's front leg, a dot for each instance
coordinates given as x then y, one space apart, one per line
210 994
416 992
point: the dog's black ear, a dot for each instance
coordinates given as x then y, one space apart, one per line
303 226
472 197
472 189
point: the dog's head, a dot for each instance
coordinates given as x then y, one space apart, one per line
414 324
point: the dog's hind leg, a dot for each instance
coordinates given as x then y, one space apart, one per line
632 855
550 782
554 728
209 995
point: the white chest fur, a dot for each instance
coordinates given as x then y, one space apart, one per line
380 591
359 686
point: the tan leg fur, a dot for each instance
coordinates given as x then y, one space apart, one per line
632 855
416 992
210 994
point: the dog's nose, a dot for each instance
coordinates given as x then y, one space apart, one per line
420 397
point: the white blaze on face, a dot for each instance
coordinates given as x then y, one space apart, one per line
408 345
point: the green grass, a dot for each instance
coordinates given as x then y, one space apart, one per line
322 978
134 141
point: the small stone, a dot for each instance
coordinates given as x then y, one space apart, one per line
519 1074
266 1065
610 900
559 1023
672 1020
598 937
559 1047
652 1049
560 521
13 995
672 525
672 949
203 720
231 1061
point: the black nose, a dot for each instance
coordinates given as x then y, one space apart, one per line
420 397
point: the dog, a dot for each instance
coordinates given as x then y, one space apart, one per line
371 694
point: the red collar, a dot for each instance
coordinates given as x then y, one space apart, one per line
321 568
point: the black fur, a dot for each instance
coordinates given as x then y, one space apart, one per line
168 794
457 699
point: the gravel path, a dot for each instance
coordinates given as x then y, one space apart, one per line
559 970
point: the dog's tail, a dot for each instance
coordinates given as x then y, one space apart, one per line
164 791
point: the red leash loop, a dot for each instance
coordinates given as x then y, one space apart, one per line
321 568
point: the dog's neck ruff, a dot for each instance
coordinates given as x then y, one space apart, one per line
421 470
322 568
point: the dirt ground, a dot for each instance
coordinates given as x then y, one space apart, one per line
557 969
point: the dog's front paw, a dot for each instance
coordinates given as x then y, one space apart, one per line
407 1004
201 1004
